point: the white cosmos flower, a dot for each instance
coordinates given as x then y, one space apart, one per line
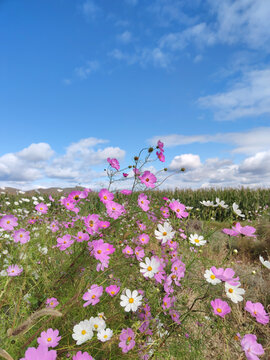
266 263
221 203
234 292
97 323
165 232
237 211
131 301
82 332
207 203
197 240
150 267
105 335
211 278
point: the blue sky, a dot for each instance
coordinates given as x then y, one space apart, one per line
84 80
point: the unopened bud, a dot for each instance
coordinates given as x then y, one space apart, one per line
183 169
136 158
253 272
235 251
129 166
165 169
150 150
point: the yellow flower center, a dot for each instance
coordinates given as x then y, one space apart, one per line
178 210
105 197
197 241
149 268
165 303
147 179
95 326
49 339
41 208
131 300
105 336
141 202
99 251
51 303
212 277
142 239
129 338
230 290
112 292
113 208
175 268
83 332
219 310
255 312
164 234
8 222
21 235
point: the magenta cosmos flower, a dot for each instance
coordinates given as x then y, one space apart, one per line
161 156
148 179
64 242
160 145
240 230
114 163
114 210
226 275
14 270
127 341
8 222
251 347
143 202
41 353
112 290
42 208
82 356
49 338
126 192
179 209
221 308
257 310
92 295
52 302
105 196
21 236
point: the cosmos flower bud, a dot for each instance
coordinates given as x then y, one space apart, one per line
165 169
183 169
150 150
235 251
136 158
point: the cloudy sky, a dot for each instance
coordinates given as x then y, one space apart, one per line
83 80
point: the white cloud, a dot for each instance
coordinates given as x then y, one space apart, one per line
259 164
187 161
36 152
249 97
125 37
90 9
244 142
84 71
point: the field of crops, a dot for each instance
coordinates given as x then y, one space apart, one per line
135 275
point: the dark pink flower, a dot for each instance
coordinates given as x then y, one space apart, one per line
144 239
64 242
125 174
148 179
114 210
82 236
160 145
105 196
114 163
82 356
161 156
14 270
126 192
52 302
240 230
143 202
179 209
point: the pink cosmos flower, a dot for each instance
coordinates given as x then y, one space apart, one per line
52 302
92 223
136 172
112 290
49 338
42 208
14 270
179 209
148 179
127 250
105 196
221 308
144 239
101 250
257 310
21 236
8 222
54 226
114 163
168 302
76 195
127 341
51 198
165 212
139 252
114 210
160 145
251 347
126 192
161 156
142 226
82 356
92 295
69 204
64 242
41 353
175 316
143 202
240 230
125 175
104 224
82 236
226 275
